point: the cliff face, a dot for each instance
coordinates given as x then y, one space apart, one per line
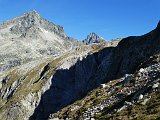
70 83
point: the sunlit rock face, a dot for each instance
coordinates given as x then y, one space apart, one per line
28 37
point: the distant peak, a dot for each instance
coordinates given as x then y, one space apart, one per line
92 35
93 38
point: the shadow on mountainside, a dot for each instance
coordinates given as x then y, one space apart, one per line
71 84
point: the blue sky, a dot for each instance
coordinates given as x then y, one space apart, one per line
108 18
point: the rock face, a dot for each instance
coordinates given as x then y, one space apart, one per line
54 71
93 38
29 37
69 84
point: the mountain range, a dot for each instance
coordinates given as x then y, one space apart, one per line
47 75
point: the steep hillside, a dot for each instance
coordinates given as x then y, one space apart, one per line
132 80
134 96
27 88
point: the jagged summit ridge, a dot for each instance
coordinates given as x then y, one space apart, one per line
29 37
93 38
33 18
20 25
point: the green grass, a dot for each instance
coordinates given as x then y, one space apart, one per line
150 111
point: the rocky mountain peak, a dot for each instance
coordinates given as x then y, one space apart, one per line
30 36
32 19
93 38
